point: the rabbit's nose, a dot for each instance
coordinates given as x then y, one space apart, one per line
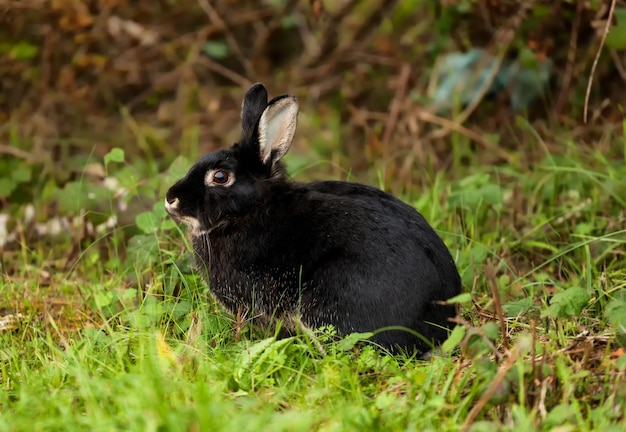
171 204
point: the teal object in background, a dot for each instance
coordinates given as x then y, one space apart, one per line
463 76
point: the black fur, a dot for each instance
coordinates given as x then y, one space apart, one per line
327 252
253 105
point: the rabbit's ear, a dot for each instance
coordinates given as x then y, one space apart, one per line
277 128
254 102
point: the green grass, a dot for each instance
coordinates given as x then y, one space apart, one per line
117 332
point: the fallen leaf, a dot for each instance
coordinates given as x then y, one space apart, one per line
618 353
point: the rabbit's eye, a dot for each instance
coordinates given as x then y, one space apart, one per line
220 177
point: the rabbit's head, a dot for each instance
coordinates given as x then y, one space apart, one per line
226 183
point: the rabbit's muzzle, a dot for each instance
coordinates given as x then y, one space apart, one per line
171 206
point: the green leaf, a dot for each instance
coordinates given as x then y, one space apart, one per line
568 303
289 21
469 198
518 307
620 15
615 312
258 362
454 339
147 222
477 347
21 174
115 155
23 51
149 314
474 181
70 197
473 191
180 309
492 193
527 57
484 426
129 294
82 195
49 191
491 330
158 211
541 11
621 363
584 228
7 186
216 49
616 38
168 224
461 298
348 342
559 416
103 299
143 249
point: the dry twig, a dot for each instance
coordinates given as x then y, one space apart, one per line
597 58
503 38
493 386
490 273
396 104
228 35
453 126
571 57
15 152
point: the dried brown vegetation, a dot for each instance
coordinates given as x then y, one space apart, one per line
69 67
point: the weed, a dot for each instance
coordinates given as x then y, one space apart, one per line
114 328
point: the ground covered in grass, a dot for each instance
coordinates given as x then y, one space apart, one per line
104 323
108 327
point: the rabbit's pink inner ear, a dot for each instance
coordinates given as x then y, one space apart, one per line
277 128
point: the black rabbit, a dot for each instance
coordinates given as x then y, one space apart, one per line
319 253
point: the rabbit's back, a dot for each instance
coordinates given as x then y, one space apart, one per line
336 253
390 264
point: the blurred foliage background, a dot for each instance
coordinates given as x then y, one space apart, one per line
367 72
502 121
